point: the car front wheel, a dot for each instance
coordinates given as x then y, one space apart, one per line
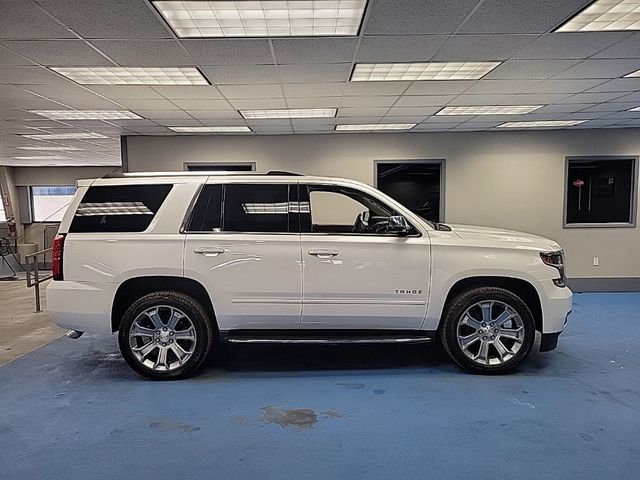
165 335
488 330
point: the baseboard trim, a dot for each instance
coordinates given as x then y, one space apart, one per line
626 284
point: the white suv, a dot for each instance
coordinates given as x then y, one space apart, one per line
177 262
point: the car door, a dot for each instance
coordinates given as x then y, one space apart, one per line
241 245
356 278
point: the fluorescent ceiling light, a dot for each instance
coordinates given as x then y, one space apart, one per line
263 18
233 129
41 157
377 72
635 109
87 114
604 15
635 74
44 147
489 110
542 124
133 75
290 113
65 136
367 127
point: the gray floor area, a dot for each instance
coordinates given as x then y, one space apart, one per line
73 410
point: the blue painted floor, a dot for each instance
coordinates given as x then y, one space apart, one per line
73 410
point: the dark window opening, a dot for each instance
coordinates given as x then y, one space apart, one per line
118 208
260 208
416 185
207 211
600 191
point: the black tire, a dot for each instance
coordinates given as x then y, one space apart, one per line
453 315
195 313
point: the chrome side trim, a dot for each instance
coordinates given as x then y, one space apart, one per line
330 341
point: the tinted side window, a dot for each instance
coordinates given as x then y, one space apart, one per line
256 208
207 211
118 208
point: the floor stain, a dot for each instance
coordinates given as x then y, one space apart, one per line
174 425
521 403
352 386
332 414
299 418
379 391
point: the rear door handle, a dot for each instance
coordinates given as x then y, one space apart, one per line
320 253
209 251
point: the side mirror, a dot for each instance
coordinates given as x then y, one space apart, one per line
398 225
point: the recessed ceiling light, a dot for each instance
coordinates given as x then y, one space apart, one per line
604 15
41 157
290 113
489 110
385 72
65 136
633 74
232 129
133 75
87 114
228 18
542 124
44 147
368 127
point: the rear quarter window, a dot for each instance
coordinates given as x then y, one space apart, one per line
118 208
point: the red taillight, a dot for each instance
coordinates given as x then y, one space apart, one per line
56 257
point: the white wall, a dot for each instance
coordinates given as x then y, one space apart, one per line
507 179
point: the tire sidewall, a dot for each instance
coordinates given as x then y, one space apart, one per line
454 315
195 313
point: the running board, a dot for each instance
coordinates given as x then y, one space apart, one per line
271 338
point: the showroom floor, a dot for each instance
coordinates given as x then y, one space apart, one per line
74 410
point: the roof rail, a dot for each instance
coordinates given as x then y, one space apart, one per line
284 173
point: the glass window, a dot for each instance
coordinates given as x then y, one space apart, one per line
51 202
600 191
207 210
118 208
256 208
343 210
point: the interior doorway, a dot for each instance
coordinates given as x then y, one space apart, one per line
417 184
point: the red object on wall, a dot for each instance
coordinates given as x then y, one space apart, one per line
578 183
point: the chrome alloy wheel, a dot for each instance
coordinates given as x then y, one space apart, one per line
162 338
490 332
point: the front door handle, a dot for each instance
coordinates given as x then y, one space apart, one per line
320 253
209 251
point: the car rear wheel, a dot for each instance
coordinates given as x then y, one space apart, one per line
165 335
488 330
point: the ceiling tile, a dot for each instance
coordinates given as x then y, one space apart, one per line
251 91
125 91
153 104
563 86
628 48
424 100
163 116
145 53
618 85
362 112
482 47
107 18
521 16
592 97
208 116
201 104
24 19
469 100
314 50
445 87
314 89
9 58
536 98
259 103
242 74
530 69
601 68
399 48
229 51
314 102
376 88
416 16
380 101
564 45
400 111
500 86
58 52
30 76
330 72
188 92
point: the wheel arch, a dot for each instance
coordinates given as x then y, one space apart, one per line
134 288
522 288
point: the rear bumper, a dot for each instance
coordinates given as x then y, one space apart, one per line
80 306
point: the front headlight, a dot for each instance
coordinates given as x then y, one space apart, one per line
555 260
